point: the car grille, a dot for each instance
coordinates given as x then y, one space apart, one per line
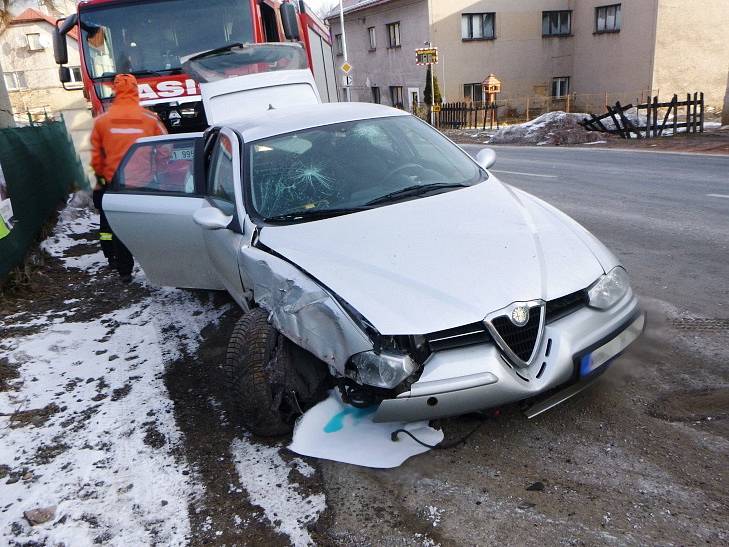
458 337
565 305
521 340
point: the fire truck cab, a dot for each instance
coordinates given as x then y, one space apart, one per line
159 40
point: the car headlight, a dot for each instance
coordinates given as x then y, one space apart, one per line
382 370
609 289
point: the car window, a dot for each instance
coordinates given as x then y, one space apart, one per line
348 165
221 182
165 167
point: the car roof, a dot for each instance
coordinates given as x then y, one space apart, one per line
285 120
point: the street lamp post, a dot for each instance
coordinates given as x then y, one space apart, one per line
344 45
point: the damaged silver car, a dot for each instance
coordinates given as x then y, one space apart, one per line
370 253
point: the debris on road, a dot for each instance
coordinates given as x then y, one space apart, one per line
335 431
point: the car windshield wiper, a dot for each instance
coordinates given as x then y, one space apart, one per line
416 190
314 214
221 49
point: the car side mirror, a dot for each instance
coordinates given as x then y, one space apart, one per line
486 158
64 74
211 218
290 21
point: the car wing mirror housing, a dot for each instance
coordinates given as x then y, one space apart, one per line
211 218
486 158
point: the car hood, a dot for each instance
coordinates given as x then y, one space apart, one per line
442 261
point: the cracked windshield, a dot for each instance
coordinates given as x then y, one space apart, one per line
131 39
330 170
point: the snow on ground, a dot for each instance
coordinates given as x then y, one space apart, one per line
88 426
265 475
550 128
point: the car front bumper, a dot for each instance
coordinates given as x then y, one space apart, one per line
574 351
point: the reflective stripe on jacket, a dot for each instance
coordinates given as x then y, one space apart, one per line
116 130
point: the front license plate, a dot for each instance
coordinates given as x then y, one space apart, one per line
602 355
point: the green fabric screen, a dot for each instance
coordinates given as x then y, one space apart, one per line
41 167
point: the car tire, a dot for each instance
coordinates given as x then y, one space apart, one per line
271 380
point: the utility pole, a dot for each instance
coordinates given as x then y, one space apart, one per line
432 88
344 45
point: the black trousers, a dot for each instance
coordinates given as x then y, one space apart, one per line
106 236
114 250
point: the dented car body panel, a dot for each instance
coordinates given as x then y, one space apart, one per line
481 293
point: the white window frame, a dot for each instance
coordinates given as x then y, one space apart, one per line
603 16
372 36
393 34
13 80
547 29
38 46
474 26
560 87
75 82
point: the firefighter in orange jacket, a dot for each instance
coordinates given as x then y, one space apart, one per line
114 133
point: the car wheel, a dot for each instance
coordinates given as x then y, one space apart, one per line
272 381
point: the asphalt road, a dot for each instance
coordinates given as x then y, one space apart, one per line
665 215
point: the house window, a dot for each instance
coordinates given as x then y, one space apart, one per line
372 37
339 47
75 74
473 93
34 42
396 96
560 87
393 34
556 23
607 18
478 26
15 81
376 95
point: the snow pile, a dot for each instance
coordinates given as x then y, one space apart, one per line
87 428
265 476
553 128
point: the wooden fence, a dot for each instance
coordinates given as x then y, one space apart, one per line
658 118
462 115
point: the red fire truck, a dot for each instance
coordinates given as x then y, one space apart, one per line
151 38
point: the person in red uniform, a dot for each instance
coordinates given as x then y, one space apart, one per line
114 133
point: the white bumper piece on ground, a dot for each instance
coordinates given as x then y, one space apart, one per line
574 350
335 431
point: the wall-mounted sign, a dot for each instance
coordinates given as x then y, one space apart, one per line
426 56
6 208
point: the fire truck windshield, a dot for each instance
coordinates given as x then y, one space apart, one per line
150 38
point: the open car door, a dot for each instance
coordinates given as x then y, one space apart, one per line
150 207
